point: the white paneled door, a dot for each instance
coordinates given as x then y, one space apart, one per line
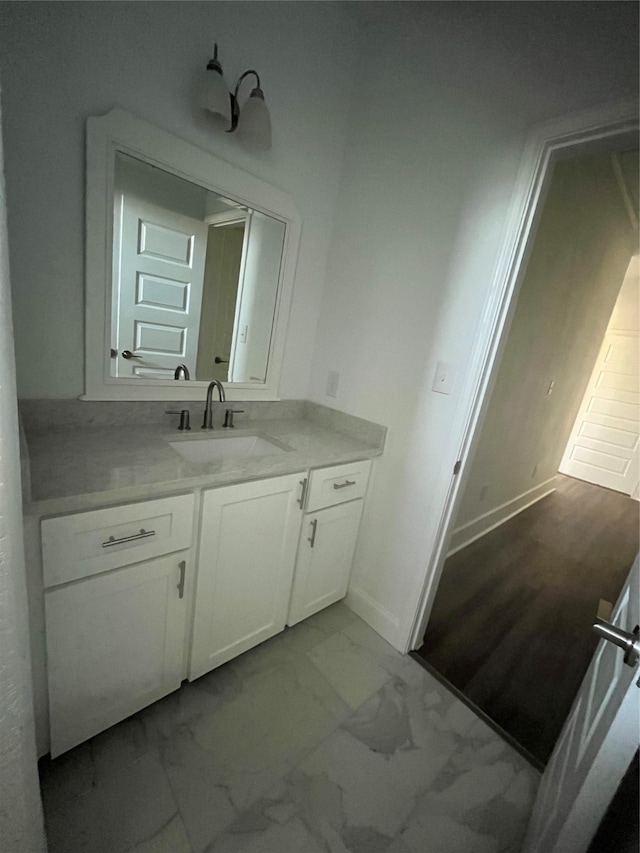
596 745
159 259
604 443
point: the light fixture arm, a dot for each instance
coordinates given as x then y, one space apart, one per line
235 109
214 64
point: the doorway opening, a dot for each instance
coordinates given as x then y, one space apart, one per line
533 550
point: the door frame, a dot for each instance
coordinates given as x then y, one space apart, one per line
545 143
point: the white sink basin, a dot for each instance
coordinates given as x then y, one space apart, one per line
224 447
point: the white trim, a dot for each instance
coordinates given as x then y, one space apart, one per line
371 612
120 131
232 217
543 144
488 521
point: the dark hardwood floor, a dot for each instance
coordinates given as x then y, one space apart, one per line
511 624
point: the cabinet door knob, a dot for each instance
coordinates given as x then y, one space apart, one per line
314 528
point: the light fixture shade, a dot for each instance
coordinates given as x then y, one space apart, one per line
254 124
214 95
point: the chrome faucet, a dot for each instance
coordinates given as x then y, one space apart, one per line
180 371
208 416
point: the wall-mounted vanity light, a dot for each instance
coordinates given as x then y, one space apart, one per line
253 122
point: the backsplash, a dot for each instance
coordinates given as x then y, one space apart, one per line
62 414
79 414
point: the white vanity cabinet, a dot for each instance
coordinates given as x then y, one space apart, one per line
328 538
248 540
115 613
129 614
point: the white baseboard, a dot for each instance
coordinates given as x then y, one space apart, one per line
373 613
478 527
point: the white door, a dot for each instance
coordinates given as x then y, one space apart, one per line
248 542
595 747
159 259
325 554
115 644
604 443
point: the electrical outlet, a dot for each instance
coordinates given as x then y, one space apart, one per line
243 334
333 379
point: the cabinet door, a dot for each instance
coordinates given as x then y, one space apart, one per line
248 541
327 544
115 644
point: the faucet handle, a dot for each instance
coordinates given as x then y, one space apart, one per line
184 417
228 417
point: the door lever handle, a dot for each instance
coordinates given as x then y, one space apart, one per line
629 641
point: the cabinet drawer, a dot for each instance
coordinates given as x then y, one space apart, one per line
77 546
335 485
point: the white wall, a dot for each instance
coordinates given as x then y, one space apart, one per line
626 311
579 258
438 123
62 62
154 186
21 824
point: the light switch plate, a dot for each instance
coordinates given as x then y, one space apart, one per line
443 379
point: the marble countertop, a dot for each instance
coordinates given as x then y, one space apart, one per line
74 469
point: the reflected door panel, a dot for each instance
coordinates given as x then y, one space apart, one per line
159 274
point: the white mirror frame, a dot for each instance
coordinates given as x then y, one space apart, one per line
121 131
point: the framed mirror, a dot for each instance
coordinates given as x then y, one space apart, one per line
189 269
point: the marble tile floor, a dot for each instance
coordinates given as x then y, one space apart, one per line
321 740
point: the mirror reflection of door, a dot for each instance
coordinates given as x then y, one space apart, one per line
195 279
225 244
160 268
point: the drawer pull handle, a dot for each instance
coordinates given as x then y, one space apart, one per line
314 528
304 483
144 534
182 565
344 485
